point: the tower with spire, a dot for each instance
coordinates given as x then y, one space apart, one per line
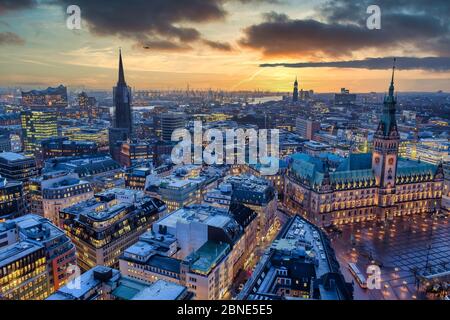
122 101
122 128
385 153
295 93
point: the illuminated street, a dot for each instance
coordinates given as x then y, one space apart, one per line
400 248
252 261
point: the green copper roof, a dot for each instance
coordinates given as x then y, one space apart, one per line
351 176
357 167
353 170
408 167
388 122
357 161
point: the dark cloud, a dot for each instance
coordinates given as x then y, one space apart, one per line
158 24
280 35
10 38
161 45
340 29
355 11
223 46
404 63
10 5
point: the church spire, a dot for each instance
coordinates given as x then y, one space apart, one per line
391 88
121 72
295 93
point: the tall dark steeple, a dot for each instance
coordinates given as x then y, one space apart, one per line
295 93
121 73
122 101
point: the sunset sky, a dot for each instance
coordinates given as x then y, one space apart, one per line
226 44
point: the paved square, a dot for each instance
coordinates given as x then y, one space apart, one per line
402 247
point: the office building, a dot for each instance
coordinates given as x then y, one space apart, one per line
5 142
259 195
87 105
37 125
63 147
170 121
101 172
23 272
12 199
138 178
200 246
306 128
134 152
59 250
17 167
97 135
429 150
185 186
102 227
315 148
55 191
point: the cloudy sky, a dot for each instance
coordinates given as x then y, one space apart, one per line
227 44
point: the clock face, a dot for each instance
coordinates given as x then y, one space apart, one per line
391 161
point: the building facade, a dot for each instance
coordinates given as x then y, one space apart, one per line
37 125
12 199
306 128
50 97
377 185
57 190
35 258
23 272
171 121
200 246
102 227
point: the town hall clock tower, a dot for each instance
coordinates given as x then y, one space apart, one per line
385 153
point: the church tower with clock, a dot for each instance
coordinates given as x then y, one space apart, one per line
385 155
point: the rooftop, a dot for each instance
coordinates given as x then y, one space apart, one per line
161 290
206 214
207 256
88 281
15 251
12 156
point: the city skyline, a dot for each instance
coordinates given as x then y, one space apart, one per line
235 150
226 45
